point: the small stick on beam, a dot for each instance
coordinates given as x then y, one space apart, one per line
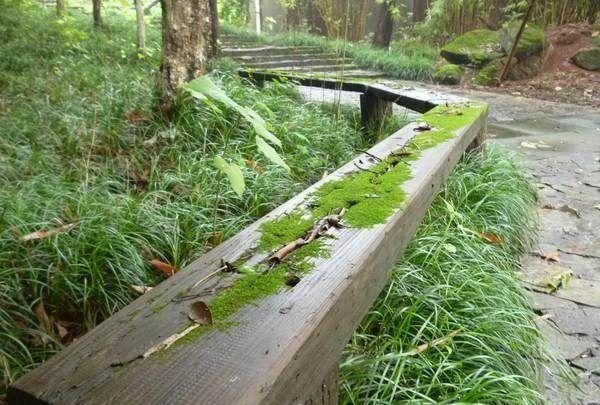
517 39
320 228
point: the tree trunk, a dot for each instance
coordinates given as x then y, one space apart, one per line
141 27
385 26
419 10
97 4
316 24
293 16
189 41
60 7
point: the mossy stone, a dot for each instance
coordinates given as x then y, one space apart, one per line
532 41
448 74
477 47
489 75
588 59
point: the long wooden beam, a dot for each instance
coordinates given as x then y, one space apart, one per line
284 348
413 100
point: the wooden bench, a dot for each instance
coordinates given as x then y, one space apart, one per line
284 347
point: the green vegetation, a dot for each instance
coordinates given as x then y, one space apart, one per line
489 75
476 47
454 283
80 145
532 41
448 74
406 60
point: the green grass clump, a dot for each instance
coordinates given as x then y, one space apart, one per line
476 47
452 281
406 59
448 74
79 144
489 75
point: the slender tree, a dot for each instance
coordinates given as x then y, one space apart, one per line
385 25
141 27
189 34
60 7
419 10
97 5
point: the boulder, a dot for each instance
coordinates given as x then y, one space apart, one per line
489 75
532 42
477 47
448 74
588 59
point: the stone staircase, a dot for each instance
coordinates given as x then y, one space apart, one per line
303 60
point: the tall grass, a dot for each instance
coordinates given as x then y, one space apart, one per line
452 281
79 145
406 60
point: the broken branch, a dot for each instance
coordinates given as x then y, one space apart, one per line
318 230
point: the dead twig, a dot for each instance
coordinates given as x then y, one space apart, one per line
318 230
437 342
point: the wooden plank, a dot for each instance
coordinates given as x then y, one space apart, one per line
413 100
280 350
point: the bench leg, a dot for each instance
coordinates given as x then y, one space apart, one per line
373 111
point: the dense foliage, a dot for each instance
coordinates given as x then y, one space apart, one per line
458 293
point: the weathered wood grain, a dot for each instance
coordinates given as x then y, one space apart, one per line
281 350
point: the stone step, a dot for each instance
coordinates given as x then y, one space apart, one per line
273 58
319 68
268 50
299 63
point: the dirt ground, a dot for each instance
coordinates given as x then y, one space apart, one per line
560 80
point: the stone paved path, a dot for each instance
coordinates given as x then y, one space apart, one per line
559 145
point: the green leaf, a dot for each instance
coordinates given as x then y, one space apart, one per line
234 174
203 87
270 153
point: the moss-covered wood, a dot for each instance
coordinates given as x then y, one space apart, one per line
269 342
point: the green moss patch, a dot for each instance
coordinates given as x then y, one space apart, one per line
532 41
448 74
476 47
489 75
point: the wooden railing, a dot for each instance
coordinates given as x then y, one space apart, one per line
170 346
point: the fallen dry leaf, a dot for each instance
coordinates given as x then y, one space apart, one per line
46 234
162 267
136 116
568 209
422 126
61 330
550 256
254 166
43 320
489 237
200 313
215 239
141 289
437 342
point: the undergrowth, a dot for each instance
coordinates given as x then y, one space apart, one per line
406 60
80 146
455 286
